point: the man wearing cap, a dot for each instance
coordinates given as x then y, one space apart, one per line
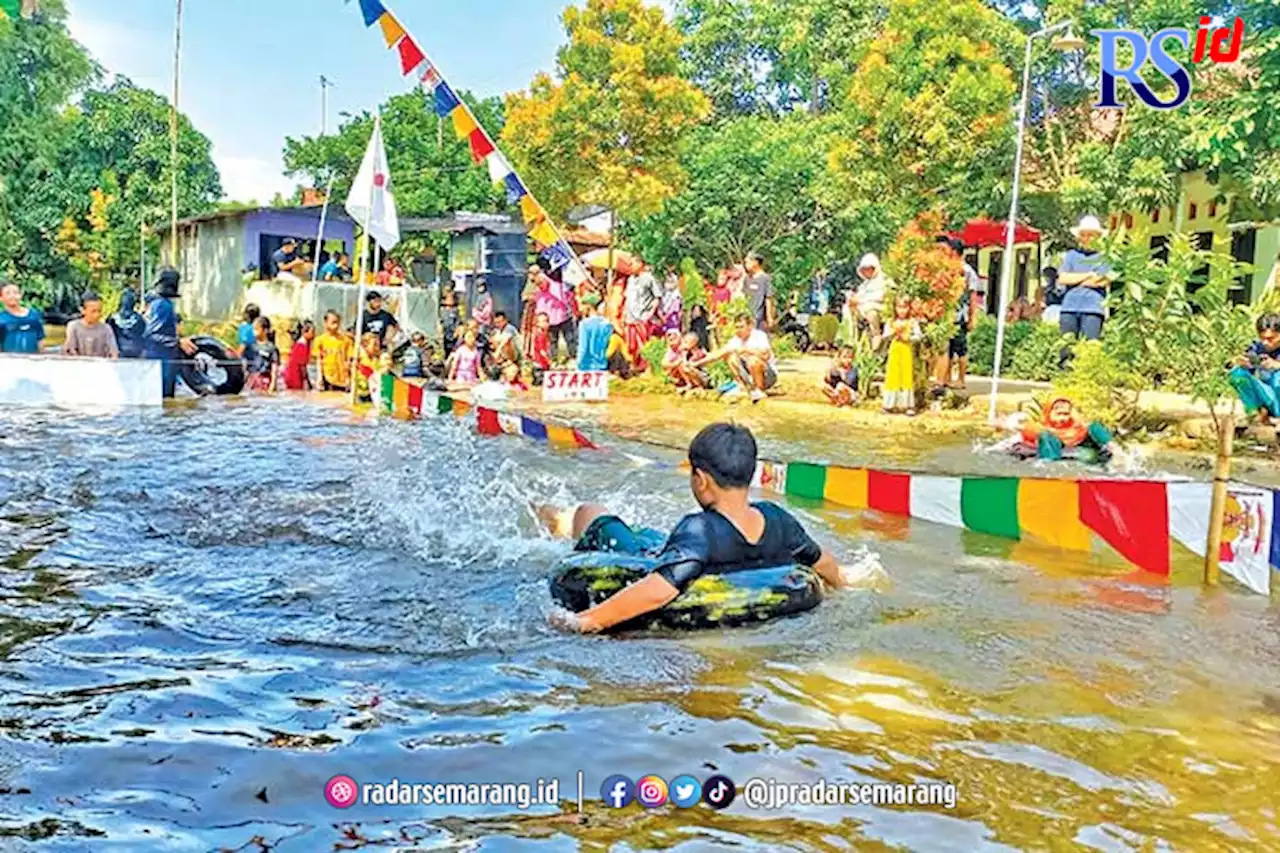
594 334
377 319
160 337
1086 276
285 263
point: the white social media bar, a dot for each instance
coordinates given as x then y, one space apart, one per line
769 794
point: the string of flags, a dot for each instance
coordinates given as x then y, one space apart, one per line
466 127
1140 519
409 401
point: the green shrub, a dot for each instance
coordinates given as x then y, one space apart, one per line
823 330
1100 384
653 352
1037 356
982 344
784 348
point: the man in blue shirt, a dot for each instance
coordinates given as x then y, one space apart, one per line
1086 276
160 339
337 268
21 327
245 335
594 333
285 263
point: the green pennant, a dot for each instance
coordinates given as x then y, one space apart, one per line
444 405
388 392
990 505
806 481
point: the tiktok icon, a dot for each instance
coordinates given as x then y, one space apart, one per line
718 792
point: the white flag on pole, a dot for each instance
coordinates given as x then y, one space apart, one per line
370 202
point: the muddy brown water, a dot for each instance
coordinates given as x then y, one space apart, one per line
208 612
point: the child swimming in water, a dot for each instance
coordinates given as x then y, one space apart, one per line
730 534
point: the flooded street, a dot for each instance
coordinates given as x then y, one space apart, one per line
208 612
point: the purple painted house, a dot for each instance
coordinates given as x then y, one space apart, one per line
220 250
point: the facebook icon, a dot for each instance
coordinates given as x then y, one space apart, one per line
617 791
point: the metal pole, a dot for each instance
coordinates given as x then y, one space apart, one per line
173 138
1006 271
324 105
325 83
368 239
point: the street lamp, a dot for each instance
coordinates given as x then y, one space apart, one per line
1065 42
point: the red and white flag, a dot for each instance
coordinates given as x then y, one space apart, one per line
370 202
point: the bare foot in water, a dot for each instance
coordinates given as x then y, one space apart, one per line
558 522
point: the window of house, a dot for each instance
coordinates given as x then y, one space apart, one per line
1160 248
1203 241
1213 210
1128 220
1193 210
1244 247
1155 216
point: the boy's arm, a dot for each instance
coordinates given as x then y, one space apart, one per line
829 570
640 598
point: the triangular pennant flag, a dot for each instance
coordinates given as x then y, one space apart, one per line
481 146
372 10
574 274
561 436
446 100
463 121
487 422
392 32
400 400
544 233
499 168
411 56
461 407
430 79
415 400
583 441
557 256
530 210
515 189
444 405
388 393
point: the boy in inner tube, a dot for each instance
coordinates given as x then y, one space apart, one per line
730 534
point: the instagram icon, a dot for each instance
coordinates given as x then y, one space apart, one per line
651 791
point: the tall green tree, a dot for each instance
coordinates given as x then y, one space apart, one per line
608 128
431 170
41 69
773 56
928 118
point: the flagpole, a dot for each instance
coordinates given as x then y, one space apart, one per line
368 240
325 83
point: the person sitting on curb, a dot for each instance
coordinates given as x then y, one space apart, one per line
749 355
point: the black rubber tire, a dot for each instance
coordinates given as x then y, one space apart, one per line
803 342
213 370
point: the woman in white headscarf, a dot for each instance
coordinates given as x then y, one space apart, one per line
866 303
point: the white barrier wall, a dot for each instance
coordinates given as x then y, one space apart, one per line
53 380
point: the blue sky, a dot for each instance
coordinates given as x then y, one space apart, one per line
251 68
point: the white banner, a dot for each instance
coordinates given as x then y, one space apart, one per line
560 386
1246 537
59 380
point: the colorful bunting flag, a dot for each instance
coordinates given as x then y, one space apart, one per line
889 493
561 436
937 499
392 32
530 210
583 442
461 407
444 405
544 233
463 121
481 146
510 424
499 168
806 481
430 79
411 56
487 422
1189 506
387 389
533 429
557 255
990 505
400 399
1246 537
847 487
415 400
515 189
372 11
1049 511
446 100
1132 517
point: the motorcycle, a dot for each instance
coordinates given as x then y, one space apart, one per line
797 326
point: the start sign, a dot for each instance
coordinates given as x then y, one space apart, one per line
559 386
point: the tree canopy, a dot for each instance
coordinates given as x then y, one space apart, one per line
607 129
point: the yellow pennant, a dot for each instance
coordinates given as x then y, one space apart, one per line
544 233
530 209
463 122
392 32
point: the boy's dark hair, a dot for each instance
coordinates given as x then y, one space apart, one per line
1269 323
334 314
502 314
726 453
263 323
251 312
89 296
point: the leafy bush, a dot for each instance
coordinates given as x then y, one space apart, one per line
1037 355
695 287
823 329
929 275
982 344
653 352
784 347
1101 384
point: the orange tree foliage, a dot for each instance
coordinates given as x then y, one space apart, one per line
929 274
607 129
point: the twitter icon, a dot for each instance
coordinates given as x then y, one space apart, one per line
686 791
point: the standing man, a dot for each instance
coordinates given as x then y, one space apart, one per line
21 327
377 319
758 289
970 306
594 335
1086 276
504 343
640 307
161 339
